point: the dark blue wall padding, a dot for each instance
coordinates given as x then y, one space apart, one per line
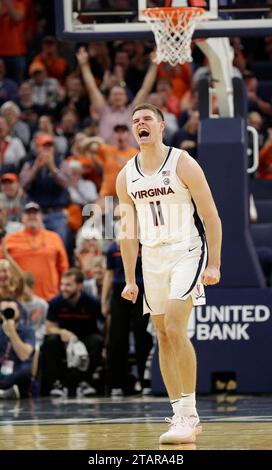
203 98
264 211
240 101
262 234
261 189
222 155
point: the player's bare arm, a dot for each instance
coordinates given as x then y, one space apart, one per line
129 243
191 174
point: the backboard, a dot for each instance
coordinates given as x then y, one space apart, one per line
88 20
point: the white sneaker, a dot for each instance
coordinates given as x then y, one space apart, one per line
116 392
146 391
84 390
58 391
10 393
183 430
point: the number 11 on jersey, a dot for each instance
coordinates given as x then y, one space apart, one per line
157 214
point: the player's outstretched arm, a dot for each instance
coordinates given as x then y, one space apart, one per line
128 235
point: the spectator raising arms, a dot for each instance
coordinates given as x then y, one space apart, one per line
115 110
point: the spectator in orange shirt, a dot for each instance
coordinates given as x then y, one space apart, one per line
56 66
113 158
12 37
38 251
180 77
88 157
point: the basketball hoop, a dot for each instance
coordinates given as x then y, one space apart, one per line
173 29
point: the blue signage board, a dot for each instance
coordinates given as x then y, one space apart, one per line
231 334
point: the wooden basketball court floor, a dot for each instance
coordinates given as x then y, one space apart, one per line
132 423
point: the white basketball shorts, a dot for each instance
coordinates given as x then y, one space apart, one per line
172 271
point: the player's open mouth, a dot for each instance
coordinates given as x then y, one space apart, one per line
143 133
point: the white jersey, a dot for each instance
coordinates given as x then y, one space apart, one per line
165 209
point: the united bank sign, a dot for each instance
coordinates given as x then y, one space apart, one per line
226 322
232 333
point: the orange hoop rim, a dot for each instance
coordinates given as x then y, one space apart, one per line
154 13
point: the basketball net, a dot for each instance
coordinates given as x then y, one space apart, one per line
173 29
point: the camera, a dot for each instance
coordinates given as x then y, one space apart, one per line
8 313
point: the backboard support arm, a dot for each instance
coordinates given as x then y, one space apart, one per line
220 56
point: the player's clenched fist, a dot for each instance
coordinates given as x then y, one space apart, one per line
130 292
210 276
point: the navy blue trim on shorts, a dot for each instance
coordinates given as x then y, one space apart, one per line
197 220
200 263
147 302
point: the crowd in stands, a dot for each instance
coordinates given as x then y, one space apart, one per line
65 112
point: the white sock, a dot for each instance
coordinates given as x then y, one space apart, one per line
187 404
175 405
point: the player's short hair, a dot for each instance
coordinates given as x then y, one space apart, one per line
151 107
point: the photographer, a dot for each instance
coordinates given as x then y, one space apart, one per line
17 343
